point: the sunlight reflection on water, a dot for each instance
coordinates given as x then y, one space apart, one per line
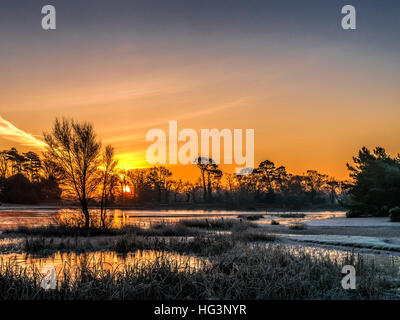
102 261
12 218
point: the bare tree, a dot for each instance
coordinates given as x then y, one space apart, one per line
109 181
159 177
177 187
74 149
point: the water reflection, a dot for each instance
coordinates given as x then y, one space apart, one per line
101 262
12 218
285 218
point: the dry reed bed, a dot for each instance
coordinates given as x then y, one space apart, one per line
244 272
230 267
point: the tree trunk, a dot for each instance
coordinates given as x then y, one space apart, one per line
85 211
209 191
204 186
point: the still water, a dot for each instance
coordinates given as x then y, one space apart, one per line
14 217
102 261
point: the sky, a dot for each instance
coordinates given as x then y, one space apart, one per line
313 92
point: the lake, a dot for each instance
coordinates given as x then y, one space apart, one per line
11 217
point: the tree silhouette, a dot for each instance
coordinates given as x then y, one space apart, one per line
108 181
375 188
3 164
17 161
74 160
315 182
74 150
32 165
266 170
159 177
209 171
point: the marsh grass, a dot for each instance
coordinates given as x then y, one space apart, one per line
297 226
47 246
244 272
236 261
200 244
181 228
159 229
217 224
254 236
63 231
251 217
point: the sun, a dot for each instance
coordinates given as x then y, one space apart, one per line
126 189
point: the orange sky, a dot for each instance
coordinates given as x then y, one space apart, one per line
307 114
312 103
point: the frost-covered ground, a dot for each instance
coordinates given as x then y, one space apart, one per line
354 222
369 233
376 243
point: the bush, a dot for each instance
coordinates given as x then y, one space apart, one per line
395 214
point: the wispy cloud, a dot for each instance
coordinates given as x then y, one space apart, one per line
11 132
183 116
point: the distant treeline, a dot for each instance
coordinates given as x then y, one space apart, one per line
24 178
28 178
75 167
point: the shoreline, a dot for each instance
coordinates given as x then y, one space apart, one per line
4 207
